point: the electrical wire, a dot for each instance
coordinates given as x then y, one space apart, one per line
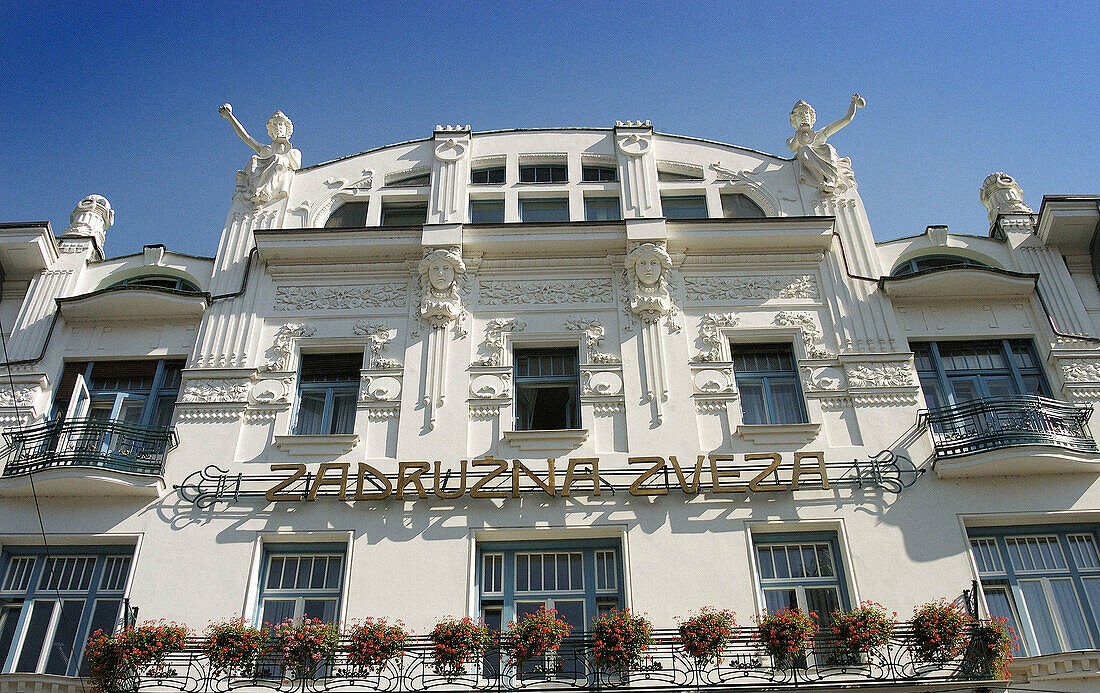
70 630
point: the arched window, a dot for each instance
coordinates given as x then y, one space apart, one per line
350 214
740 206
158 281
931 262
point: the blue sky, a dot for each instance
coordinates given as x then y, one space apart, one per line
121 98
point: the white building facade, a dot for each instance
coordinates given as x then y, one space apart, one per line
589 368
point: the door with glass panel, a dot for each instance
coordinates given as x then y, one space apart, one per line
578 580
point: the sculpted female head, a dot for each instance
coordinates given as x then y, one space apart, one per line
648 262
803 115
439 269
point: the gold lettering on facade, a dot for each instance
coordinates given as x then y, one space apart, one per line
448 495
322 479
548 486
755 484
820 469
501 466
658 463
716 475
571 475
693 487
273 494
404 479
360 482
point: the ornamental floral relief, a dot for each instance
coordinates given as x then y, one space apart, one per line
879 375
1081 371
711 288
279 353
812 335
494 339
601 383
710 334
498 292
378 336
593 337
822 378
217 390
380 295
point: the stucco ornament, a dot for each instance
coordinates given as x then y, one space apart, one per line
378 336
217 390
279 353
820 165
879 375
91 218
19 396
593 337
269 172
1081 372
647 269
440 302
1001 194
710 334
812 335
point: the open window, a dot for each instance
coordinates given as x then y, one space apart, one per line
328 389
547 392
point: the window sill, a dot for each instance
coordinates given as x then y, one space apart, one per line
336 444
779 433
1083 664
563 439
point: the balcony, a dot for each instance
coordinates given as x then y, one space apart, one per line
744 666
85 456
1011 436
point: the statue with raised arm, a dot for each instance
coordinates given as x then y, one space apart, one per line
269 172
818 160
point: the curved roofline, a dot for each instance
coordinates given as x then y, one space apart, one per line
549 129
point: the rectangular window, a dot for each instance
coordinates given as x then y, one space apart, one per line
543 173
301 581
1045 581
956 372
544 210
767 380
328 389
404 213
486 211
801 571
579 579
546 389
684 206
141 393
602 209
599 174
50 605
490 175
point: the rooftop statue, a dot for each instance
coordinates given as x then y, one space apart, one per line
269 172
820 165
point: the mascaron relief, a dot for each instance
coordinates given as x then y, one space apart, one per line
381 295
646 280
704 288
494 339
279 353
593 337
710 334
440 303
544 292
378 336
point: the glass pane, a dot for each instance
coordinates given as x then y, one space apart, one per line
825 560
544 210
528 608
752 403
999 385
823 601
576 573
1077 633
276 611
786 401
572 612
777 599
782 566
522 569
317 579
764 559
1039 615
310 410
131 410
9 619
63 650
549 572
794 558
487 212
1092 592
35 636
324 609
1001 607
563 572
964 389
933 396
332 580
536 572
290 573
602 209
104 618
274 572
305 567
809 561
343 412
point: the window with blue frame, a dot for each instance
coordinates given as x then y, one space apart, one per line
51 604
956 372
301 581
328 388
1045 580
801 571
140 393
767 380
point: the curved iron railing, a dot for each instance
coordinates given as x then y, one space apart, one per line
999 422
102 443
744 665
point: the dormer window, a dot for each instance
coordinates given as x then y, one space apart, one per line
348 215
740 206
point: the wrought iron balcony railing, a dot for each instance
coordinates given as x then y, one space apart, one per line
744 666
1000 422
102 443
